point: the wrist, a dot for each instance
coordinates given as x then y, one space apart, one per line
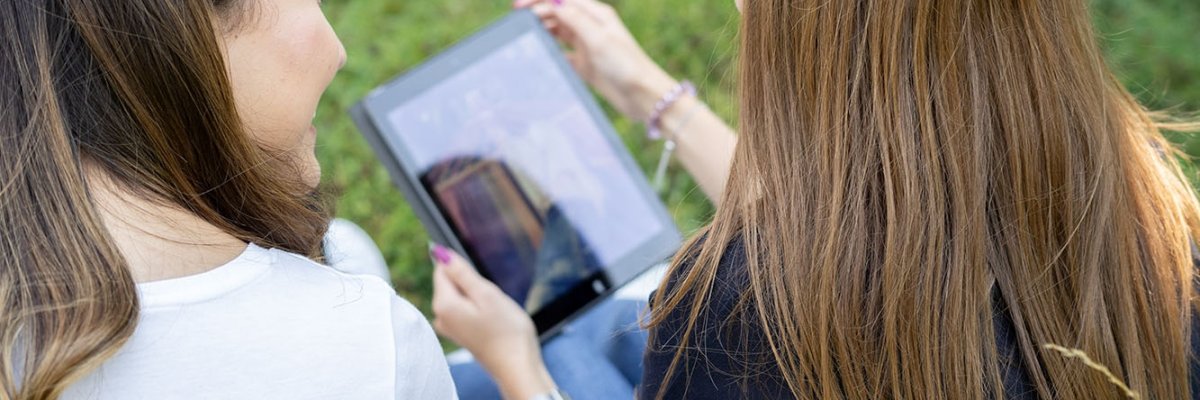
648 90
670 101
523 378
525 385
677 116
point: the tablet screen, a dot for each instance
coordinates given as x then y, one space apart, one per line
521 172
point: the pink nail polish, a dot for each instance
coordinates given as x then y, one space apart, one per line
440 254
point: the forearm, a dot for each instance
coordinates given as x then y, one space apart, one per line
704 144
522 380
525 385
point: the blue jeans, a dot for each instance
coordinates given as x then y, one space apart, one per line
598 356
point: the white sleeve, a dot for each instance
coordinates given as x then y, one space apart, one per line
421 369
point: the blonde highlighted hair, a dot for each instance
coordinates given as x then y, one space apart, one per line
137 90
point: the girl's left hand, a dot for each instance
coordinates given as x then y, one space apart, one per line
605 53
476 314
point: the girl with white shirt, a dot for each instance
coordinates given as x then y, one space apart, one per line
159 235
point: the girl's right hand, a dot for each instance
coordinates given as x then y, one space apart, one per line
605 54
474 313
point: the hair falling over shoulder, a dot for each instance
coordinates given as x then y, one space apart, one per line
136 91
901 161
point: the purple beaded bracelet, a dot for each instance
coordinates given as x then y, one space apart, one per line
653 128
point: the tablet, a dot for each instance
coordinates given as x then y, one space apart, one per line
505 156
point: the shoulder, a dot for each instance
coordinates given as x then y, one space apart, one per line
303 273
294 284
421 370
272 281
275 325
729 281
420 365
726 355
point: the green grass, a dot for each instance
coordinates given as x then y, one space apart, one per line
1153 44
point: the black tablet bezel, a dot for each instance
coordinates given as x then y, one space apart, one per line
370 114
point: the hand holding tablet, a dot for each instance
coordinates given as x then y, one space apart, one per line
478 316
605 54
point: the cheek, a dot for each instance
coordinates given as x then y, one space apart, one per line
302 72
279 76
313 51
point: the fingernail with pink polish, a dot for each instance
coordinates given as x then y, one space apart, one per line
439 254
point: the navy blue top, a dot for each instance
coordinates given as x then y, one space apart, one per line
724 352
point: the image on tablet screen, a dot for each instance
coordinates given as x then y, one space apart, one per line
526 179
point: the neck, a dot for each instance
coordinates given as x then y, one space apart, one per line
161 241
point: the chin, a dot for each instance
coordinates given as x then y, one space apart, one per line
312 175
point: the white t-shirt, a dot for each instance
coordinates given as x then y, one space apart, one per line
273 325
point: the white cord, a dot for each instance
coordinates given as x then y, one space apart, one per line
660 172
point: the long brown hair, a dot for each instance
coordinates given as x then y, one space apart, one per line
136 89
901 160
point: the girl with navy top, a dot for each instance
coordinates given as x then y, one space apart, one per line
928 199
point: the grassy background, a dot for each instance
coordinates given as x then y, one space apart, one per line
1153 44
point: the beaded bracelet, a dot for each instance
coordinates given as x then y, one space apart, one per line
653 128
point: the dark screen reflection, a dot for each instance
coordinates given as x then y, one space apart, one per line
520 238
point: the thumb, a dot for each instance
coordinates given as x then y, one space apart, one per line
450 307
447 298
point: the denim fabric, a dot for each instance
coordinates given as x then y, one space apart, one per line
599 356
